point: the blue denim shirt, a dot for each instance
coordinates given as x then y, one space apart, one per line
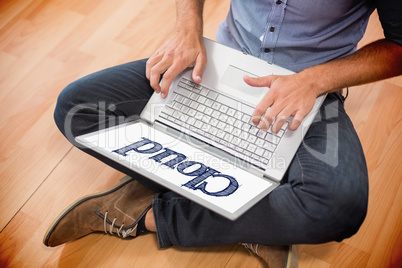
295 34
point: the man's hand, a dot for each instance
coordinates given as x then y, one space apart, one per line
172 58
288 96
185 49
294 95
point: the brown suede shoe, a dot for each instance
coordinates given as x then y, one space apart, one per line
115 211
275 256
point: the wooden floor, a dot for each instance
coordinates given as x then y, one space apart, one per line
45 44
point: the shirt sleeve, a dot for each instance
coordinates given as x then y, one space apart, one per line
390 14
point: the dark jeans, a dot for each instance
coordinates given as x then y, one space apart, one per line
323 196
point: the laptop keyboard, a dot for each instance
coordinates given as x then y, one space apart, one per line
220 121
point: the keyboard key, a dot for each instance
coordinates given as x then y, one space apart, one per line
259 151
184 117
177 105
221 134
252 138
194 104
251 147
212 95
238 124
245 127
204 91
202 99
206 118
216 114
176 114
236 140
272 138
163 115
198 124
229 128
191 121
247 153
208 111
179 122
246 118
269 146
183 91
178 98
230 120
184 109
244 144
240 150
238 115
214 122
244 135
260 142
213 131
223 117
186 101
168 110
231 112
201 108
209 103
224 142
261 134
198 87
253 130
280 133
221 125
267 154
236 132
194 96
206 127
198 116
216 105
223 109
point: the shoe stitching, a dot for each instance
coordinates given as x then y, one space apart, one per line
118 209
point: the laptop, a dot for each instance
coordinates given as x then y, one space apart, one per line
200 142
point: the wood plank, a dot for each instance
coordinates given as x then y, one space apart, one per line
46 44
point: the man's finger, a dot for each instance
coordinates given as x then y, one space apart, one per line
264 81
297 120
261 108
200 64
281 118
168 77
156 72
151 62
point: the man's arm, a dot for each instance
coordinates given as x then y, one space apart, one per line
185 49
294 95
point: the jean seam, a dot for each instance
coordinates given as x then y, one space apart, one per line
301 169
155 201
156 217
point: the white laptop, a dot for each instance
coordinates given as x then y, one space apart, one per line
200 142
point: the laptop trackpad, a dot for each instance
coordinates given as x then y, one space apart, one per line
233 78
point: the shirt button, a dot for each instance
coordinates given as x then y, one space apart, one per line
272 29
278 2
267 50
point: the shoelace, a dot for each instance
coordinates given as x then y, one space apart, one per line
250 248
124 233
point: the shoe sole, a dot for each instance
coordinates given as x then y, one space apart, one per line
123 181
